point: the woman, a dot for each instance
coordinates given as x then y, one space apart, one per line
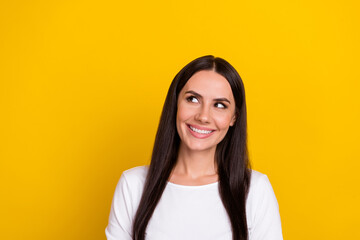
199 184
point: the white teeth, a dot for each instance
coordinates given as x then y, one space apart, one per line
200 131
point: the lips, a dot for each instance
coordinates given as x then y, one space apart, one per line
200 132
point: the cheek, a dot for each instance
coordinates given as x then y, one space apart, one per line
183 113
181 116
223 122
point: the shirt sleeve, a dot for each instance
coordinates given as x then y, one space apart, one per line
266 223
120 219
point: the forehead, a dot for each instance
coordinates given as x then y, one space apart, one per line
209 83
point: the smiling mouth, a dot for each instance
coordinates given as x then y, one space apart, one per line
200 131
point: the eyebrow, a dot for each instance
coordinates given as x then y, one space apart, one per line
216 99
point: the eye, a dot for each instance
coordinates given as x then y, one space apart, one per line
220 105
192 99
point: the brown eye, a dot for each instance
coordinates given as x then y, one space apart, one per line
192 99
220 105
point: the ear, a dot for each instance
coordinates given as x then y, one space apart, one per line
233 120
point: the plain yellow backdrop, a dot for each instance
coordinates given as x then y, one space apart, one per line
82 84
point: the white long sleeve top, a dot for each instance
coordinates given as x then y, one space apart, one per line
192 212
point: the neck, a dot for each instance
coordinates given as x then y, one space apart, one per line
195 164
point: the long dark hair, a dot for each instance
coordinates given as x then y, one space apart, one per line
231 153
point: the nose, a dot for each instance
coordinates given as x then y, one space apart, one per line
203 115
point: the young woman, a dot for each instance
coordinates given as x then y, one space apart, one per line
199 185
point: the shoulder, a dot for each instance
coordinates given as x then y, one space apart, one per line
258 179
132 181
130 186
262 207
136 174
261 192
260 187
125 202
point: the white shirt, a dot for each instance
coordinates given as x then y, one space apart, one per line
192 212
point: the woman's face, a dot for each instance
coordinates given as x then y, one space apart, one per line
206 109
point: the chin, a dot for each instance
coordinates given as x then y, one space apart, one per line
199 146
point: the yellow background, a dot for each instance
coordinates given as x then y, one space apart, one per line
83 83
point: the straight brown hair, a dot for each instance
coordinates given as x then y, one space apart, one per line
231 153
